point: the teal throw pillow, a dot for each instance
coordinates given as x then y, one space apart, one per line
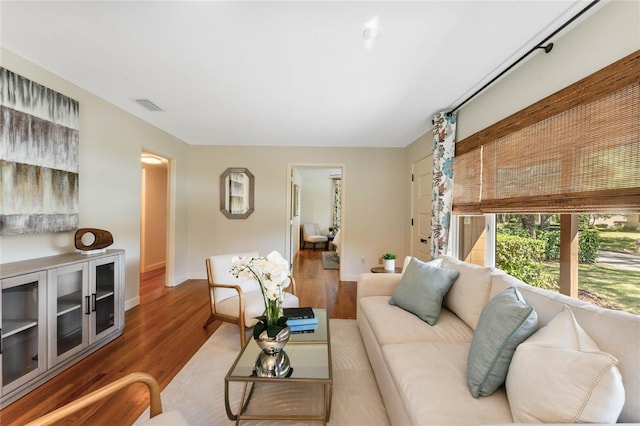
505 322
422 288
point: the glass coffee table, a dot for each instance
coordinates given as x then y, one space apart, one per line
304 395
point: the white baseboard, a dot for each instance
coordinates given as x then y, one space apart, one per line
197 276
177 281
131 303
152 267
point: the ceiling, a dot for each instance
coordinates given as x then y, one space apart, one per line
290 73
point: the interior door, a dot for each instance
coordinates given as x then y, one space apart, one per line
421 190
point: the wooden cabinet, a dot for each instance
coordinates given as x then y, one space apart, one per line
55 311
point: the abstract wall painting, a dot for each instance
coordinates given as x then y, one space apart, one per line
39 158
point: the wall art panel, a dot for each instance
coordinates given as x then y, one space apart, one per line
39 151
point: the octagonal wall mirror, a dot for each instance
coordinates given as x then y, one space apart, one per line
236 193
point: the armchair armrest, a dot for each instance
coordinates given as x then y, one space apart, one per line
235 287
103 392
293 285
231 286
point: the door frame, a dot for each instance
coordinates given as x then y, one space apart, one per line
170 223
414 188
289 221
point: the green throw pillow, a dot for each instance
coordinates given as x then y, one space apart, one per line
505 322
422 288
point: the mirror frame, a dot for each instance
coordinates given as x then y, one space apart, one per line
224 195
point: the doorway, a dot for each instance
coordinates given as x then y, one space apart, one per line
316 196
153 225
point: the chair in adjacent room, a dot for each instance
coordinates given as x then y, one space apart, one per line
238 301
311 234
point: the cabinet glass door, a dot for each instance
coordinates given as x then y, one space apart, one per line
23 334
69 309
104 296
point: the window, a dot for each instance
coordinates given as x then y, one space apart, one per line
571 156
528 247
577 150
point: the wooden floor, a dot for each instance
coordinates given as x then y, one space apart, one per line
160 336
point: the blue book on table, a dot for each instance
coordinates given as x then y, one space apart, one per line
305 328
294 322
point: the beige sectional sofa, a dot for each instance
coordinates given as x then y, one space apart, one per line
421 369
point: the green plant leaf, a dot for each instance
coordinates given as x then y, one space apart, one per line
259 327
273 330
282 321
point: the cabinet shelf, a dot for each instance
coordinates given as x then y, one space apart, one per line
104 294
69 302
70 340
11 327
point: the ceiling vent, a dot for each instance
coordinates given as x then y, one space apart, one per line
146 103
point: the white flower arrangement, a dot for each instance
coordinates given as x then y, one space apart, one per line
272 273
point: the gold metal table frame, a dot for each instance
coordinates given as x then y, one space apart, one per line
310 356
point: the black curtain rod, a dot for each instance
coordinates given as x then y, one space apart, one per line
540 45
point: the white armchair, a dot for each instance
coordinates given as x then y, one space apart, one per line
236 300
311 234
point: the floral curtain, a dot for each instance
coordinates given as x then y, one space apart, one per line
337 203
444 140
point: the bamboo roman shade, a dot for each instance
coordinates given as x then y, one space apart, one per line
575 151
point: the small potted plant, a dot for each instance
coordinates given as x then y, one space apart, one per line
389 261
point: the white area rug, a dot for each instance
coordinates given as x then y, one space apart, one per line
198 390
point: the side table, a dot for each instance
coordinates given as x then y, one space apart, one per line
381 270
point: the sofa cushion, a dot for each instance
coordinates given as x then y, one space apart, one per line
504 323
435 262
422 288
615 332
391 324
559 375
470 292
431 380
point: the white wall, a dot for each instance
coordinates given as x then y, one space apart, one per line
111 141
374 216
316 189
611 33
